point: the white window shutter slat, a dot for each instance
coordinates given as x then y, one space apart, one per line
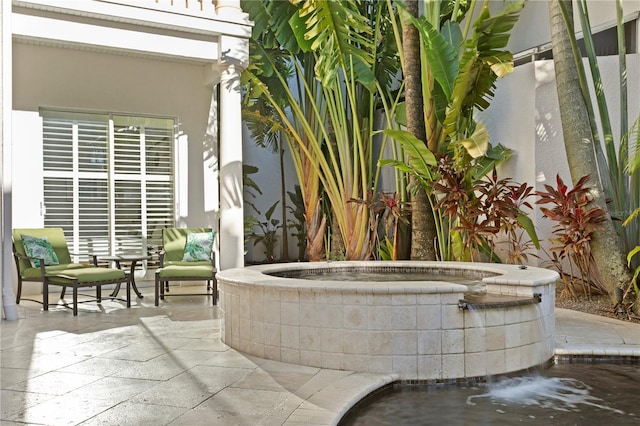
126 215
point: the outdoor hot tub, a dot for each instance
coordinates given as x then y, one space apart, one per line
419 320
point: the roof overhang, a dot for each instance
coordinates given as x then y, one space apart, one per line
129 29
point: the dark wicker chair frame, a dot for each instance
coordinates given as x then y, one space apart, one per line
171 268
67 274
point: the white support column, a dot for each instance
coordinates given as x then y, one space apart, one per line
6 264
228 8
231 188
231 191
234 57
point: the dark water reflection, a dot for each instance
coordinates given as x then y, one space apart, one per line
565 394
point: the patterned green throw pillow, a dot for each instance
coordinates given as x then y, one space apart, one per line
41 249
198 247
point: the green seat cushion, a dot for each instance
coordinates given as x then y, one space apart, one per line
88 275
52 269
187 270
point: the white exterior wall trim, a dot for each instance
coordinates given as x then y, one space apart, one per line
147 13
27 28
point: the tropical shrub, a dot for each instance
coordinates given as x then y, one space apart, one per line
268 233
634 255
389 219
459 70
620 184
324 68
474 209
251 191
297 224
480 211
574 224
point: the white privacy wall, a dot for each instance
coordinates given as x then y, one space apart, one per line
524 116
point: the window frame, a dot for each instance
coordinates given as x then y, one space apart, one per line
144 137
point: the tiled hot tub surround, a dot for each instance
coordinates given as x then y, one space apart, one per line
413 329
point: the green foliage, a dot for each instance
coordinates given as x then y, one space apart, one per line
477 212
631 141
630 256
385 249
388 214
268 234
634 253
420 159
619 178
322 95
343 37
298 224
459 71
471 207
251 188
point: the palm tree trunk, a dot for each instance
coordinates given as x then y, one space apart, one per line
423 230
578 141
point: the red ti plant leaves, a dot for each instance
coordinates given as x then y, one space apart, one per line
482 210
575 221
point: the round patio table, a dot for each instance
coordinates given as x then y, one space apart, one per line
133 259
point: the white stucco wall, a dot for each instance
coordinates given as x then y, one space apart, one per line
533 29
91 81
524 116
81 80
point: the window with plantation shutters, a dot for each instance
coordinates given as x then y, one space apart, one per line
108 180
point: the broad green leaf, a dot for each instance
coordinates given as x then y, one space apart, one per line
259 16
494 156
441 55
269 212
463 89
401 114
404 167
530 228
478 143
420 158
342 40
453 34
632 253
499 152
457 247
298 25
493 31
501 63
282 13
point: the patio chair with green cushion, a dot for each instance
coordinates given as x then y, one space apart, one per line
42 255
187 255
